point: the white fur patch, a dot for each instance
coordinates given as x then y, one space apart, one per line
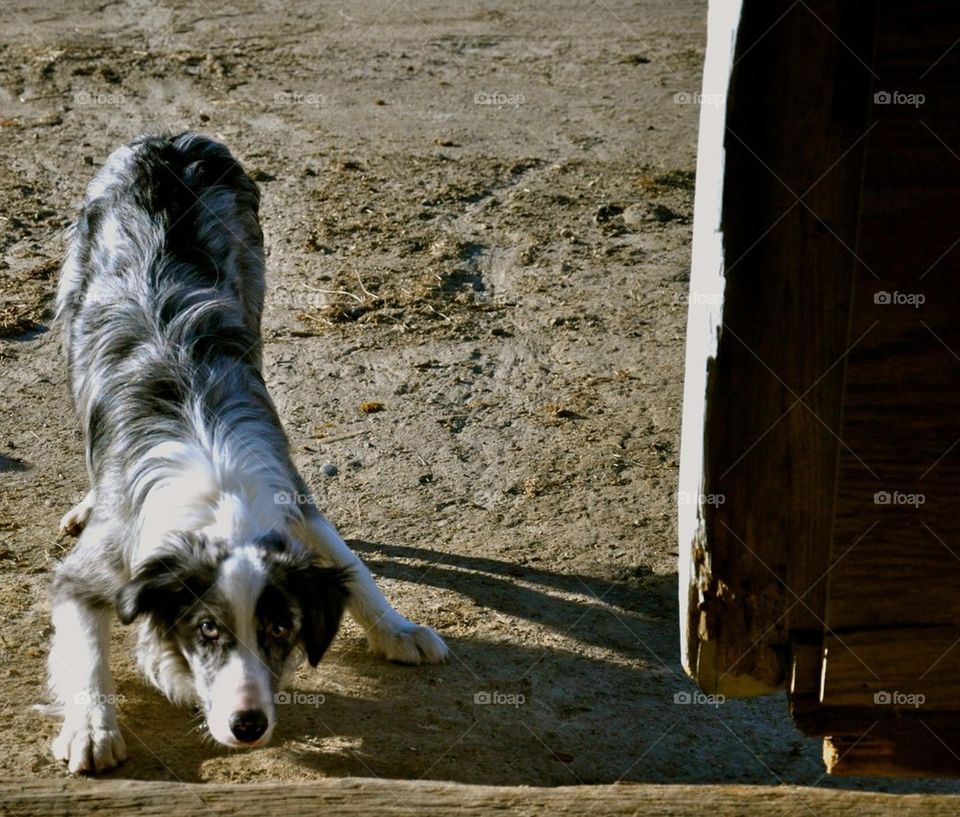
89 740
244 681
180 491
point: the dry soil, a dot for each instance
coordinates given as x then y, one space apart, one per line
477 219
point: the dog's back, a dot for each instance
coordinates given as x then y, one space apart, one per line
165 211
161 293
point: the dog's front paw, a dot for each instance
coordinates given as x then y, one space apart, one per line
90 744
75 520
397 639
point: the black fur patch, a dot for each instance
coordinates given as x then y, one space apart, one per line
321 594
166 586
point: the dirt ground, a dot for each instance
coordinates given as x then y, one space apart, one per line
477 220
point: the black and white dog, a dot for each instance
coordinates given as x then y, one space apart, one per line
189 524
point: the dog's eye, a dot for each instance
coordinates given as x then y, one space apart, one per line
209 630
279 631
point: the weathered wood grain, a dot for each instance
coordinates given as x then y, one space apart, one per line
757 542
332 798
828 421
893 610
918 667
883 685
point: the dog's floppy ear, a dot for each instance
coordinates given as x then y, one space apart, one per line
322 594
161 584
153 582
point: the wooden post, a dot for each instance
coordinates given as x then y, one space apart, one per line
776 215
820 546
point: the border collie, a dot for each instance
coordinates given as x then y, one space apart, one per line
197 523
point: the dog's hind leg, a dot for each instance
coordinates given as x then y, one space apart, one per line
389 634
75 520
79 662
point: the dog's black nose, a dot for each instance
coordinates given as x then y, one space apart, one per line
248 725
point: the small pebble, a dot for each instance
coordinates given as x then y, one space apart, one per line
329 469
607 213
634 215
664 214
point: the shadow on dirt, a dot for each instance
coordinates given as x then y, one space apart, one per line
562 693
541 706
523 591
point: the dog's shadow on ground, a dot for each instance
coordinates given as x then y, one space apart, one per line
524 591
559 702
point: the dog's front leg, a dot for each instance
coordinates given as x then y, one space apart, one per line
90 739
79 666
389 634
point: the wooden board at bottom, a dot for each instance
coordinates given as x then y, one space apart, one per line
353 796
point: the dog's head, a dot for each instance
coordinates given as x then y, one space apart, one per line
238 620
